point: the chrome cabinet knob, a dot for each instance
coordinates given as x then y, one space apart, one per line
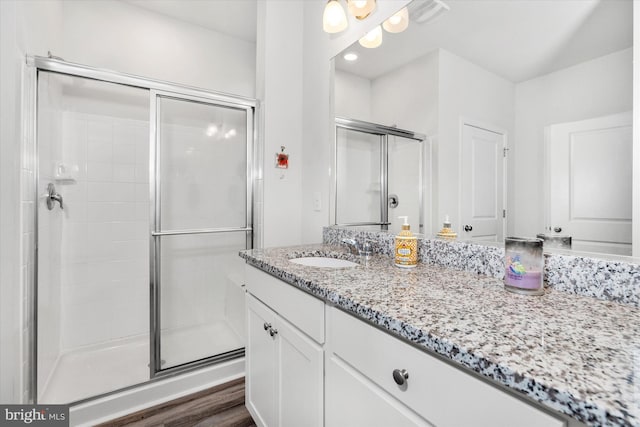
557 229
400 376
266 326
273 332
468 228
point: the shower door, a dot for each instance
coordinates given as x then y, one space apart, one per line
378 176
359 164
140 196
202 199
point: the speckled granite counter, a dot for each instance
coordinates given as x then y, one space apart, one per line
574 354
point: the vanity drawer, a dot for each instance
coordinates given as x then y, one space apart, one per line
298 307
442 394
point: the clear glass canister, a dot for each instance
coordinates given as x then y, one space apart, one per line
524 265
555 241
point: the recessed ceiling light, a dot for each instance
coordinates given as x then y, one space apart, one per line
350 56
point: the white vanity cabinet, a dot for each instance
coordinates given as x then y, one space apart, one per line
360 388
297 377
284 371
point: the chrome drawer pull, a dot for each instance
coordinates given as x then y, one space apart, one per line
273 332
400 376
266 326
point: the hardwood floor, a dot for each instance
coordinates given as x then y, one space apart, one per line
220 406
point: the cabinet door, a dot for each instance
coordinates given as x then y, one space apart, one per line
300 378
353 400
261 362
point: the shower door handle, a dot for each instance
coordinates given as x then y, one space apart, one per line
53 196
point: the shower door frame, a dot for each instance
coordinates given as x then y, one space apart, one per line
155 88
155 364
384 132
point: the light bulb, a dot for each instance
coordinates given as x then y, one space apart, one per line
372 39
334 18
361 8
398 22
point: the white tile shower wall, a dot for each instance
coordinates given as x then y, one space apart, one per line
105 244
50 223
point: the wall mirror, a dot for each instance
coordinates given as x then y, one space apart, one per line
527 111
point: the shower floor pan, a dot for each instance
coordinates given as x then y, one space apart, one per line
94 370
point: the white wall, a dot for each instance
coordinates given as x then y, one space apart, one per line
407 97
26 26
594 88
279 86
10 299
352 96
470 92
133 40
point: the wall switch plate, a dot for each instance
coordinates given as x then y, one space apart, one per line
317 201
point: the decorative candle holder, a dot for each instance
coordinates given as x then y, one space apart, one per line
524 266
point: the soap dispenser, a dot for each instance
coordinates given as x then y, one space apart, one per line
447 232
406 252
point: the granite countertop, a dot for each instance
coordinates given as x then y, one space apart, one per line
573 354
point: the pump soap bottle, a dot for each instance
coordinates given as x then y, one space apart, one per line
406 252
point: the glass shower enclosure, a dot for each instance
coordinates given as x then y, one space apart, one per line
144 195
378 176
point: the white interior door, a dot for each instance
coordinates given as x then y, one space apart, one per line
590 182
482 184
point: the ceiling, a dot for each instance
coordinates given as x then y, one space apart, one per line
236 18
517 40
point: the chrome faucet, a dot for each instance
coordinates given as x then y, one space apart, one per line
364 250
352 244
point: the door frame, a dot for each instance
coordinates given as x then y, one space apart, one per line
33 66
489 127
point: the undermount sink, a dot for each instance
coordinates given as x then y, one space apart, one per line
319 261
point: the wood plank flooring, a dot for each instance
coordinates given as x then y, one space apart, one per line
219 406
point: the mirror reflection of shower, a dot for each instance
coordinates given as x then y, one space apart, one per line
376 167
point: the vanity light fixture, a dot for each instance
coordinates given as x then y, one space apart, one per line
398 22
334 18
372 39
350 56
360 9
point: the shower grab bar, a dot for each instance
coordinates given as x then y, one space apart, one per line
199 231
